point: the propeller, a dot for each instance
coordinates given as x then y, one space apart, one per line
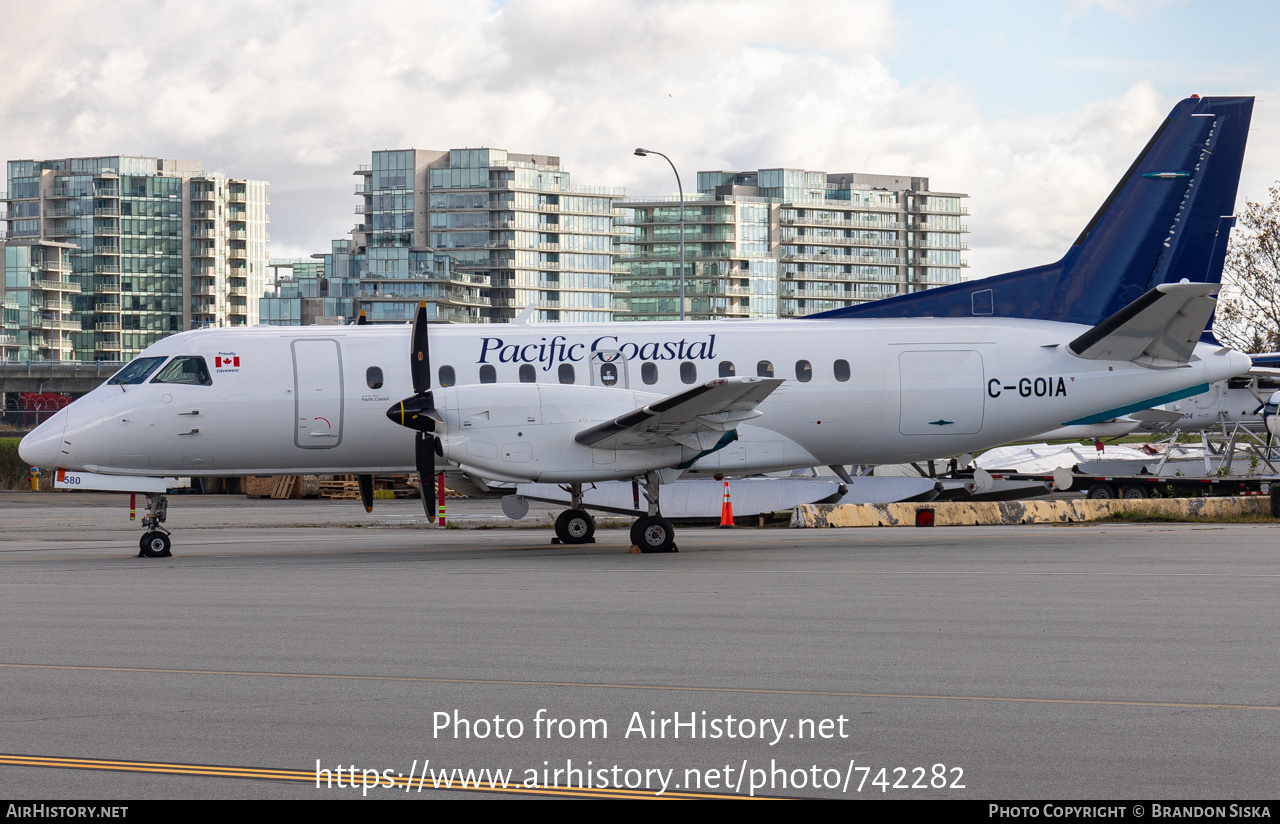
418 412
365 481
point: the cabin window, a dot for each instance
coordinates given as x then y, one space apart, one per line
842 370
726 369
447 376
804 371
608 374
764 369
138 370
566 373
528 374
373 377
488 374
187 369
649 373
688 372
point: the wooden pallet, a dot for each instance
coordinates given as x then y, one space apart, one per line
342 487
448 493
284 486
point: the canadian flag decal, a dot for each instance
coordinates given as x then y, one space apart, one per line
219 361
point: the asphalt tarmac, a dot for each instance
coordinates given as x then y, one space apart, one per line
1100 662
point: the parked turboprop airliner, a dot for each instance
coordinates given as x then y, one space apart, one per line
1111 328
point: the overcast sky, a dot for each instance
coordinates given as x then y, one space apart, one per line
1032 108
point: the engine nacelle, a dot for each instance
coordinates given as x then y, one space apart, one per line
489 429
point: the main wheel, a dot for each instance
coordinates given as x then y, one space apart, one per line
653 533
1102 492
575 526
155 545
1133 492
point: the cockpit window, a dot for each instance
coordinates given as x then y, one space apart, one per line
138 370
187 369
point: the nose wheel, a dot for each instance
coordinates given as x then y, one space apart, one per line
155 542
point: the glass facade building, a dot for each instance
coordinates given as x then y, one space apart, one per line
788 242
119 252
479 234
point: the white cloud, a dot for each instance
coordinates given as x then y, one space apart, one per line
300 93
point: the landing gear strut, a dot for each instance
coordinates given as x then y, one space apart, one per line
652 532
155 541
575 525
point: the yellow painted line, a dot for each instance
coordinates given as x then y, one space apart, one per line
660 687
309 776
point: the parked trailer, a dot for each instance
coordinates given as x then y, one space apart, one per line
1136 487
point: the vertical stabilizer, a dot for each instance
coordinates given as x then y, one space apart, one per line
1168 219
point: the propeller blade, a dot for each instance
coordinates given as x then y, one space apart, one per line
366 491
424 453
420 361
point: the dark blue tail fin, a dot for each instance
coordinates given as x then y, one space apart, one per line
1167 219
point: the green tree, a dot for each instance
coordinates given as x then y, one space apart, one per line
1248 316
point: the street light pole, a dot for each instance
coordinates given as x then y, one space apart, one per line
680 187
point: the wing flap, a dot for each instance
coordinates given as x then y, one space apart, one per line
687 418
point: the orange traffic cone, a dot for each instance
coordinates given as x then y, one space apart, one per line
726 509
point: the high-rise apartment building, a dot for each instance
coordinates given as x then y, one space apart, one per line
788 242
106 255
479 234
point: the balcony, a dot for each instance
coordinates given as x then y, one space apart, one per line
56 285
52 323
107 269
107 305
63 193
106 326
202 195
237 235
106 248
856 260
930 210
238 254
237 197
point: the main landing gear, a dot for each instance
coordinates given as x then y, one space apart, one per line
575 525
155 541
650 532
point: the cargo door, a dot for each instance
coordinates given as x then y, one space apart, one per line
942 392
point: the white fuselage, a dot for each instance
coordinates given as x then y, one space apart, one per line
307 400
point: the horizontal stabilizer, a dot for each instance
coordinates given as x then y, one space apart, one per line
1156 416
1158 330
695 417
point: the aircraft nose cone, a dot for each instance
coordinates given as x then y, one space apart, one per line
43 446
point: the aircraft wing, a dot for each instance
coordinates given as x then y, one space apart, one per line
696 417
1158 330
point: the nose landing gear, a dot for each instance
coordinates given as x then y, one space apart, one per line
155 541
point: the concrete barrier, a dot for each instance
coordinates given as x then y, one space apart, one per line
987 513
